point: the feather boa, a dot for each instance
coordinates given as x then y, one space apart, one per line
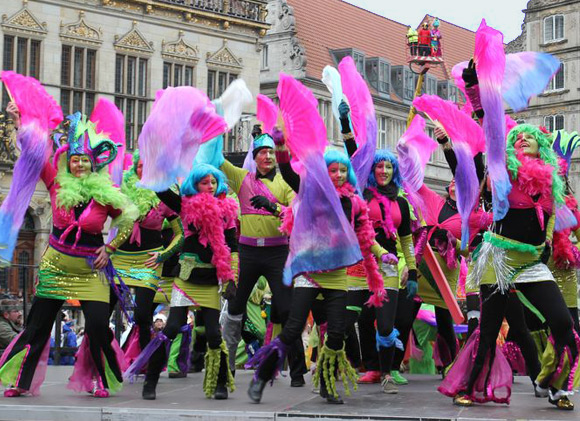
210 215
97 186
534 176
387 221
366 238
287 219
143 199
566 254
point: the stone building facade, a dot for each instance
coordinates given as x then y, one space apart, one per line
123 50
553 26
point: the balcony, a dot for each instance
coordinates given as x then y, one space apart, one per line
252 12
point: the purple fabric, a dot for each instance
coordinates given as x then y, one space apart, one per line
490 58
34 144
276 346
362 160
466 188
135 369
494 383
122 291
183 360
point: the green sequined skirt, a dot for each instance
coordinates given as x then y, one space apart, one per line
130 266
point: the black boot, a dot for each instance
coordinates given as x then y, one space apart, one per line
256 389
326 395
149 388
221 390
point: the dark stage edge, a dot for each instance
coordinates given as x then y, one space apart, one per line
183 399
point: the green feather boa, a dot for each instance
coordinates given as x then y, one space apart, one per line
97 186
144 199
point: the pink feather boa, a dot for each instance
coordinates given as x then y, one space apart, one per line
366 238
211 215
387 222
566 254
534 176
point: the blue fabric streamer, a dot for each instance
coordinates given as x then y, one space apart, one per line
389 341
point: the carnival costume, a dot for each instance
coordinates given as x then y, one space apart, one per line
207 266
130 259
80 207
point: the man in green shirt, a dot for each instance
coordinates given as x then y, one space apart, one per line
263 249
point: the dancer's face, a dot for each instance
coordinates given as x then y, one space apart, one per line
139 170
337 173
265 160
384 173
79 165
452 190
527 143
207 184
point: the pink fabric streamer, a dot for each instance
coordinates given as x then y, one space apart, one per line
267 113
132 347
513 355
39 373
494 383
459 126
169 153
490 59
110 121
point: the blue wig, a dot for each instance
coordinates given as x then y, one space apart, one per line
199 171
333 156
386 155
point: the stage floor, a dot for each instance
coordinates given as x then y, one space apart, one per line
183 399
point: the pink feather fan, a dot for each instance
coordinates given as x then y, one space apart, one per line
267 113
182 118
111 121
459 126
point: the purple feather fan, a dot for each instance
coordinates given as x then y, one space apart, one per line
490 59
466 187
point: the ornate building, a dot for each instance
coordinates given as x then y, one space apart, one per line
124 50
306 36
552 26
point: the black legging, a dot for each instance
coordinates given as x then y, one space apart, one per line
447 332
142 314
407 309
39 326
302 302
546 297
268 262
177 318
385 318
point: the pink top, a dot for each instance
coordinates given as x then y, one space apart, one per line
153 221
92 220
376 215
518 199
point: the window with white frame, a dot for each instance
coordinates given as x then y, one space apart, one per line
557 82
554 122
131 94
21 54
382 132
553 28
176 74
265 57
357 56
77 78
378 73
218 81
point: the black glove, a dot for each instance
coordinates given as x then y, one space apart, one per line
469 75
344 111
546 253
262 202
230 291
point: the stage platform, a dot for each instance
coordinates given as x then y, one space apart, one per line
183 399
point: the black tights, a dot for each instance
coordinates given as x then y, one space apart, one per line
39 326
302 302
142 314
385 318
177 318
447 332
407 309
546 297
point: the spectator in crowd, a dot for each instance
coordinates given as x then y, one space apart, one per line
10 322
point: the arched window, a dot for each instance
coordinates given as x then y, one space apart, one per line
28 223
23 268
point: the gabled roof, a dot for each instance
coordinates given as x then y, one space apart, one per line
325 25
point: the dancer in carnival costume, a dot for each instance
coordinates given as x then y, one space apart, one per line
566 258
76 264
139 259
328 232
207 269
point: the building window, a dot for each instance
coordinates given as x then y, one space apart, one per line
429 85
23 269
409 85
218 81
21 55
175 74
77 79
553 28
131 94
554 122
557 82
382 131
357 56
378 73
265 57
4 280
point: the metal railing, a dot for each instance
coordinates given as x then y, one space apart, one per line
254 10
